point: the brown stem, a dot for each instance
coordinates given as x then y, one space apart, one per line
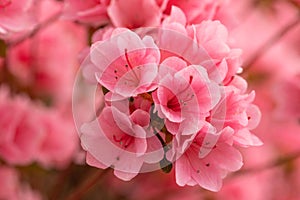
269 43
38 27
86 185
58 186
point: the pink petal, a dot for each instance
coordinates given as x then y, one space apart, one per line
92 161
177 15
155 151
92 138
226 157
182 171
125 176
123 13
171 65
245 138
254 116
140 117
208 177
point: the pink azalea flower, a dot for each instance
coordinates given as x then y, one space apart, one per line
30 133
124 139
16 17
213 37
58 147
237 111
40 67
20 135
184 97
125 64
211 40
192 168
92 12
196 11
134 13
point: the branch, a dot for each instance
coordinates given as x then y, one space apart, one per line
37 28
275 163
86 185
269 43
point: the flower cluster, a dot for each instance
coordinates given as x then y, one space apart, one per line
151 12
33 134
172 97
172 87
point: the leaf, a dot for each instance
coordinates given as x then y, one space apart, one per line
165 165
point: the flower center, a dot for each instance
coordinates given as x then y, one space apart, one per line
175 102
124 141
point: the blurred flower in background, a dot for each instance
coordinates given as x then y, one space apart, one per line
173 88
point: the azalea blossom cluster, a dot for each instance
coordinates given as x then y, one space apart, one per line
123 13
36 125
31 105
24 142
170 97
178 88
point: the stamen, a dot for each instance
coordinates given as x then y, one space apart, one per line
191 79
175 102
124 141
127 59
128 141
117 140
129 64
147 97
229 81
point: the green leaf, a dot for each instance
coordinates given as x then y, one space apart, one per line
165 165
104 90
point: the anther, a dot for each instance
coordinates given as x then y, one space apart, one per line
129 64
191 79
127 59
